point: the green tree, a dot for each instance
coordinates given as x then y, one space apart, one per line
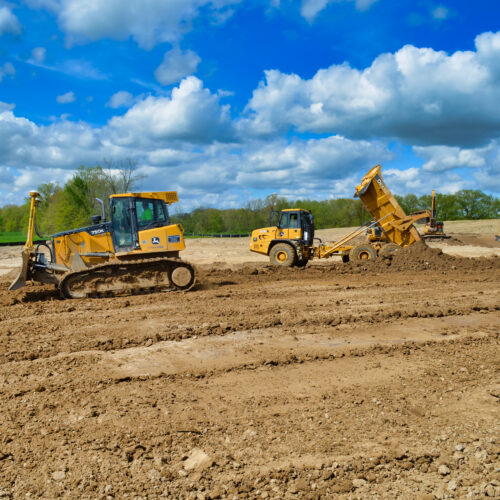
411 203
475 204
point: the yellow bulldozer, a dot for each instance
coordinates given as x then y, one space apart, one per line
291 242
136 251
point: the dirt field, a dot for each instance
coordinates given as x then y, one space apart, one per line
378 380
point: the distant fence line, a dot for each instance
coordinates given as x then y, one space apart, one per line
217 235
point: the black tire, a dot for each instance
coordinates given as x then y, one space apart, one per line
283 254
301 262
387 251
345 258
361 253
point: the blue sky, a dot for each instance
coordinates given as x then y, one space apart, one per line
229 100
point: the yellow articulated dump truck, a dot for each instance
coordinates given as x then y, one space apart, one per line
136 251
291 241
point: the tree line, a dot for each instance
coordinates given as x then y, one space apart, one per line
71 206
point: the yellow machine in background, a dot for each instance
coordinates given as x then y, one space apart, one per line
136 251
291 241
434 228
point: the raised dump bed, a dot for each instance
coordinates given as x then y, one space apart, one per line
384 208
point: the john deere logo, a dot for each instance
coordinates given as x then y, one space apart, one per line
155 240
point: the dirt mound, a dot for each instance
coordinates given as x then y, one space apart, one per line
419 257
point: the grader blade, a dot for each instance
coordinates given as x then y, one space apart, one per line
20 281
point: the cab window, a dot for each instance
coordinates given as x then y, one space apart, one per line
122 224
283 222
150 212
289 220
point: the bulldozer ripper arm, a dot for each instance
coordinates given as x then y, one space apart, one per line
28 251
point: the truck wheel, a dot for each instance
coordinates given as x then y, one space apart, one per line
283 255
345 258
301 262
388 250
361 252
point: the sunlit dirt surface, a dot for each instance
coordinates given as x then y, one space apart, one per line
378 380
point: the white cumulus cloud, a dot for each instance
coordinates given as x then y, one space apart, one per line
191 114
413 180
149 22
418 95
484 163
440 105
203 167
60 145
38 54
177 64
442 158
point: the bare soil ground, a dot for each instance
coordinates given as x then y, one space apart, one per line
378 380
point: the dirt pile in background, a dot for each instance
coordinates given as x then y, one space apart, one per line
419 257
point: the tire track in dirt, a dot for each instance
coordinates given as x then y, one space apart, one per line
40 329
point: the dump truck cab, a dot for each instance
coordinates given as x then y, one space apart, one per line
295 224
288 238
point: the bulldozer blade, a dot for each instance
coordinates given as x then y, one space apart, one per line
20 281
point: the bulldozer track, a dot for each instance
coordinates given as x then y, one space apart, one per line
128 278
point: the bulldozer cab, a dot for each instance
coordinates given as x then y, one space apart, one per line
129 215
